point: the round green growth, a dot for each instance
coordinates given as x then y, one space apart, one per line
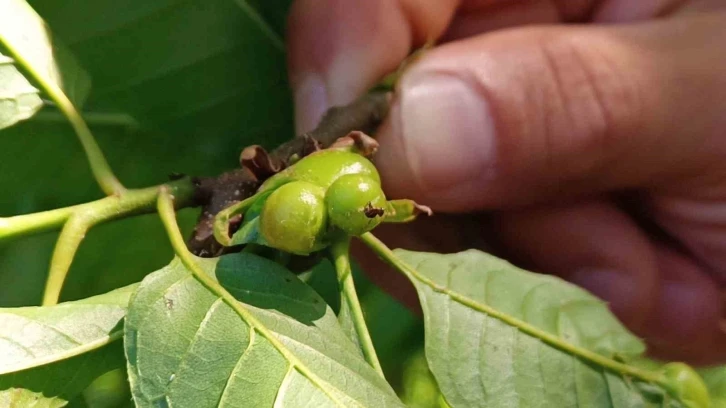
294 219
356 203
323 168
687 385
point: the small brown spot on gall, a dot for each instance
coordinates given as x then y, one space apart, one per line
372 212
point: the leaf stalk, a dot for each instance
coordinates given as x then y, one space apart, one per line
340 252
97 161
78 219
65 250
133 202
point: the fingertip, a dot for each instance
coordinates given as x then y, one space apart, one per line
350 45
439 137
311 102
337 49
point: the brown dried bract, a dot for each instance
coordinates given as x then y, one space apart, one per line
258 162
359 141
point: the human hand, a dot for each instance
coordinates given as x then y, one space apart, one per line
597 150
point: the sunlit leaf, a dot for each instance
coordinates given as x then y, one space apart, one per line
19 100
36 336
499 336
187 347
49 355
54 385
28 40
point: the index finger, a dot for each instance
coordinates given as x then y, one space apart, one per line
339 48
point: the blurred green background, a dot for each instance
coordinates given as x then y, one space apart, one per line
177 86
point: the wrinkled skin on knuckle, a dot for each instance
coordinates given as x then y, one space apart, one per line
563 100
596 101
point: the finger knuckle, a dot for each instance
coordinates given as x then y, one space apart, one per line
593 100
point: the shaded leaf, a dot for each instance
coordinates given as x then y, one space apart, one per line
36 336
25 36
186 347
19 100
187 67
55 384
476 308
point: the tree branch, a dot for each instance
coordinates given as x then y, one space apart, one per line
213 193
132 202
65 250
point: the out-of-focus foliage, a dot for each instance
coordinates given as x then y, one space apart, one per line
176 87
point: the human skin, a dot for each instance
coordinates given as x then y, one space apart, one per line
581 138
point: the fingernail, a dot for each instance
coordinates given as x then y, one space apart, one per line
311 102
447 130
614 287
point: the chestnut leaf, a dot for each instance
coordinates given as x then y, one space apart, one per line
500 336
188 348
51 354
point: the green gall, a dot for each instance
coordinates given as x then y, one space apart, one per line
356 203
293 218
323 168
685 383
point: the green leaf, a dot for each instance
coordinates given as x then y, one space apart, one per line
715 379
499 336
54 385
28 40
181 67
19 100
35 336
187 347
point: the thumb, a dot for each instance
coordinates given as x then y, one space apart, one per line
532 114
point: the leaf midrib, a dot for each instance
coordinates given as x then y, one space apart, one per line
418 278
256 325
530 329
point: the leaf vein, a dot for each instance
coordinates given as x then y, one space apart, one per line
237 367
197 335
